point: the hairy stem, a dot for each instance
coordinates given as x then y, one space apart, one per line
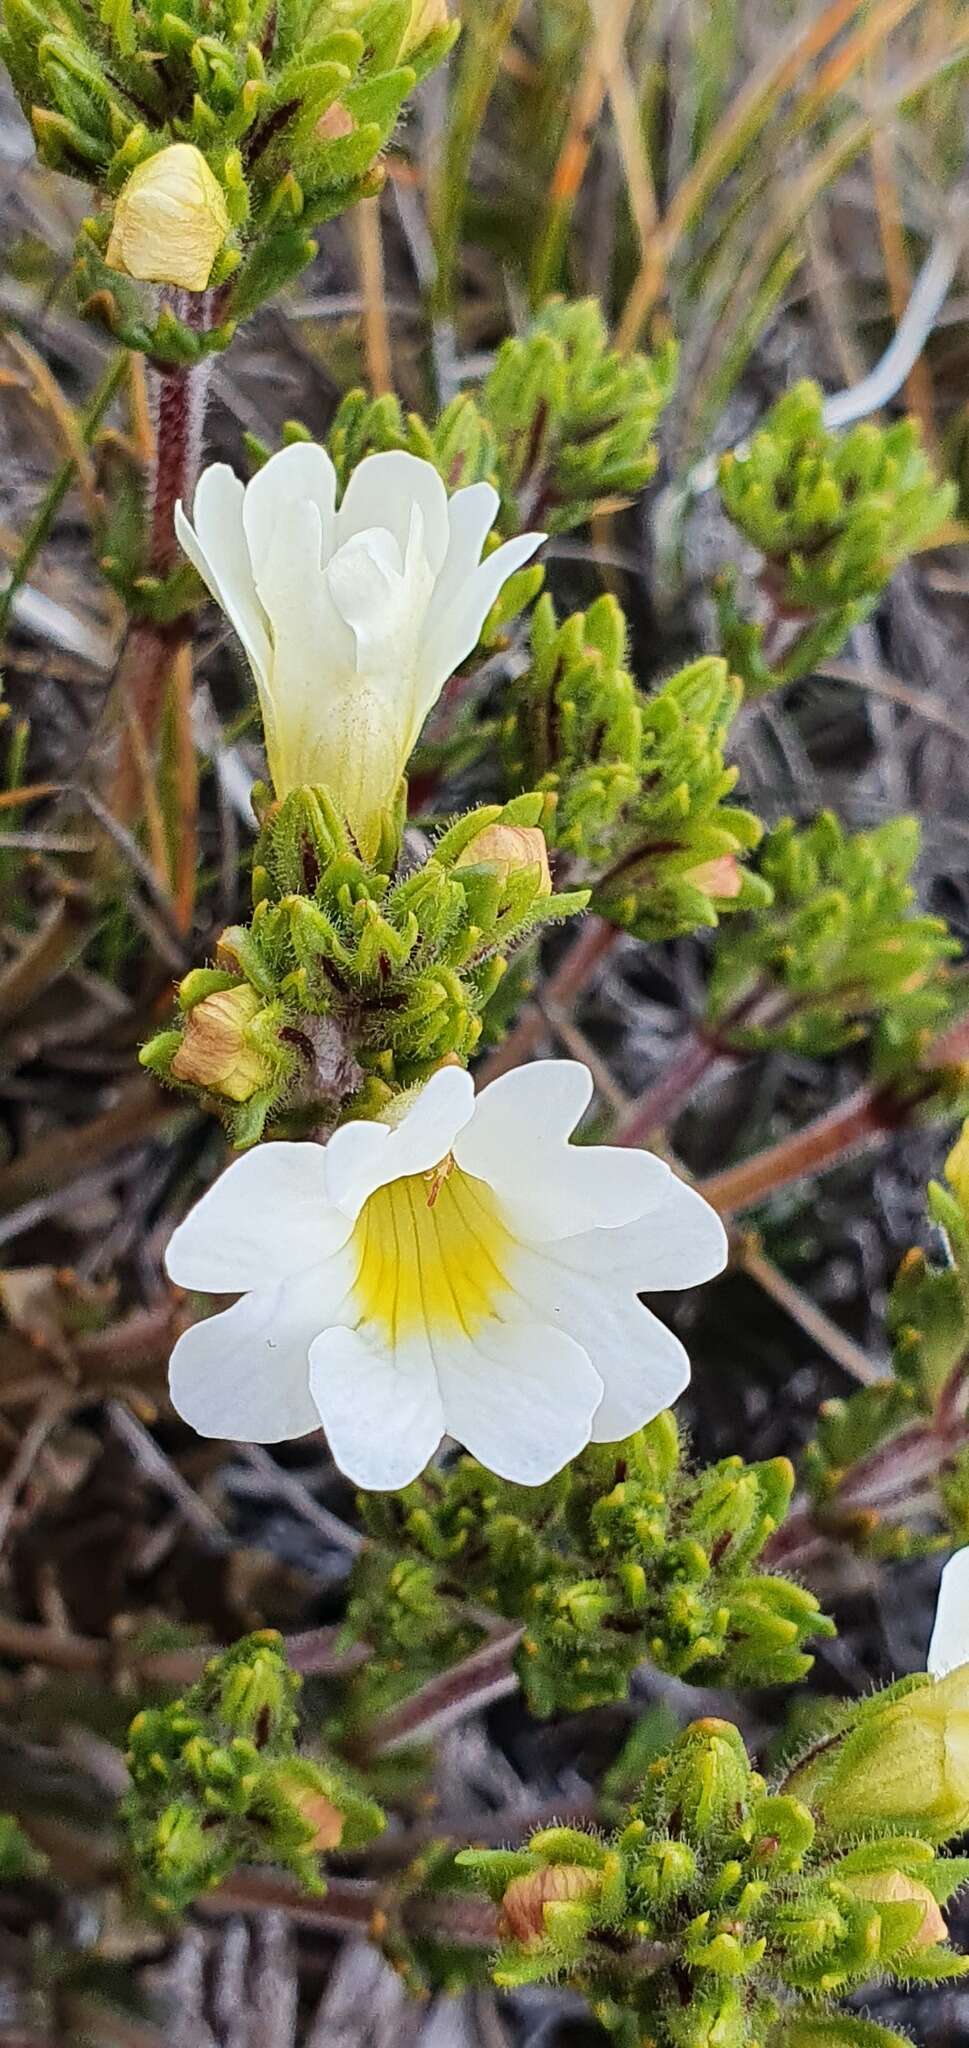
177 397
865 1116
466 1688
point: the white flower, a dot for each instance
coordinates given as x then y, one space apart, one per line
950 1637
466 1271
352 620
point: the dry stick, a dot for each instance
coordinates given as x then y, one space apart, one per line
359 1906
595 941
867 1115
139 1113
58 941
824 1332
376 327
314 1653
659 1104
610 21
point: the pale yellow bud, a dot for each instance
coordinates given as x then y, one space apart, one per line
427 17
892 1887
170 220
904 1764
720 877
214 1053
524 1903
508 849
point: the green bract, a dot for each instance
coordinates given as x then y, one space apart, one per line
838 946
627 1554
640 782
833 515
910 1425
368 976
289 104
574 418
217 1780
717 1907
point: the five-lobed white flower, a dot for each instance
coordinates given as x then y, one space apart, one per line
949 1646
353 619
464 1272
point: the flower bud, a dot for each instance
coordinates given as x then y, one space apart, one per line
427 18
892 1887
509 849
904 1764
323 1820
335 125
170 220
256 1687
526 1898
708 1779
721 877
215 1053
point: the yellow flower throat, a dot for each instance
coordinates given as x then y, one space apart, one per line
432 1252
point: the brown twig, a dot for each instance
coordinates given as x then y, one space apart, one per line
863 1118
594 943
450 1696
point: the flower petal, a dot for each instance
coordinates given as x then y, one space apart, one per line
382 491
216 546
244 1375
381 1411
471 516
680 1243
314 651
950 1636
267 1219
301 472
641 1365
520 1396
518 1143
361 1157
456 627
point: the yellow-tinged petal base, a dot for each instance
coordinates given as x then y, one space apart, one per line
433 1255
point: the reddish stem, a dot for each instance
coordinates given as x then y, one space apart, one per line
450 1696
656 1108
595 941
852 1124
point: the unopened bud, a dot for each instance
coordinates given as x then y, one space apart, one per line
170 220
708 1779
427 18
509 849
891 1888
323 1820
335 125
215 1053
904 1764
526 1898
721 878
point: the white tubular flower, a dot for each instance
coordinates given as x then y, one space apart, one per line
950 1637
352 620
465 1271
